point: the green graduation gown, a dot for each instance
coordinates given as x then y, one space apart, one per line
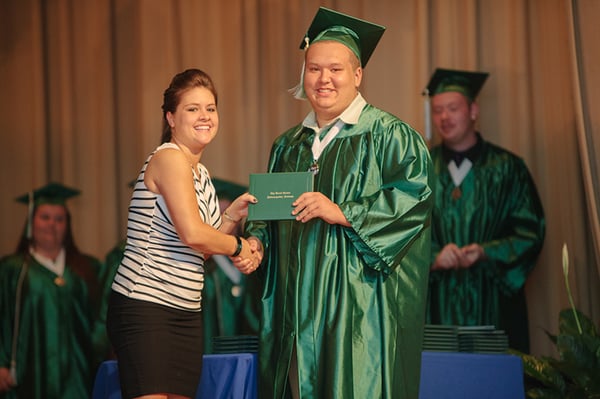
229 309
111 264
60 340
352 299
500 209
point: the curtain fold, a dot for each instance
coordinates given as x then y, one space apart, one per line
82 85
585 71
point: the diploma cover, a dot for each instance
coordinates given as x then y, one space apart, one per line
276 192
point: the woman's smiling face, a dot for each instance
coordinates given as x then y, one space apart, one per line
196 120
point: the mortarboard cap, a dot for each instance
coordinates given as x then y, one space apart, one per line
466 82
358 35
227 189
52 193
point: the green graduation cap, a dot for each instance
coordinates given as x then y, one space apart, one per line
466 82
52 193
228 189
359 36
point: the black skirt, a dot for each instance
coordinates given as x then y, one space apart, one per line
159 349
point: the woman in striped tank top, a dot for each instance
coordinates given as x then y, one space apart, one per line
154 317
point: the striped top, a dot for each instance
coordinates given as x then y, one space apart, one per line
157 267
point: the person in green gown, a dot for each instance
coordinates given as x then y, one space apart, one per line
51 340
488 221
230 299
345 282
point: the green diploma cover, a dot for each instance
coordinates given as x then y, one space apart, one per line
276 192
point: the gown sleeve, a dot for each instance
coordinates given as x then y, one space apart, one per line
389 214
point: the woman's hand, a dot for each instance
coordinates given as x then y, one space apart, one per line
238 209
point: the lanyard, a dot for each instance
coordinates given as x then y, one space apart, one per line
318 146
459 173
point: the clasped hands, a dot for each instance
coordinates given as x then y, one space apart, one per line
454 257
250 257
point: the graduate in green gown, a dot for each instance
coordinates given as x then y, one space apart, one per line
50 339
230 299
343 305
488 221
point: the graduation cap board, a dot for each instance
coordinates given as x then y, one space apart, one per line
358 35
468 83
52 193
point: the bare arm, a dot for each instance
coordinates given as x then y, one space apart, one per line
170 175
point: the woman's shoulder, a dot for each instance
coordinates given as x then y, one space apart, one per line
165 154
166 145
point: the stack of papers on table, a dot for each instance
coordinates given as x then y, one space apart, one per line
440 338
474 339
235 344
482 339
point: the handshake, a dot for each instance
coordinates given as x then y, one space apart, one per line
250 256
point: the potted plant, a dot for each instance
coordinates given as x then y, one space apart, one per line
576 372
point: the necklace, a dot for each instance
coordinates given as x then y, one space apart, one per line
56 266
458 174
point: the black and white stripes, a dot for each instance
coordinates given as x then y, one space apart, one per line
157 266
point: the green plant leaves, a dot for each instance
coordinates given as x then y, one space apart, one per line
576 373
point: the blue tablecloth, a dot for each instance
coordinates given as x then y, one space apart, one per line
471 376
443 376
223 377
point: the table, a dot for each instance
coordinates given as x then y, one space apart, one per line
444 375
223 376
450 375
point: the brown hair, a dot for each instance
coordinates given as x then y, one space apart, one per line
182 82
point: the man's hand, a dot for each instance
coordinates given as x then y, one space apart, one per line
453 257
450 257
472 254
313 205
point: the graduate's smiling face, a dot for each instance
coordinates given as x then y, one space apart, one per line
454 118
49 226
332 75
